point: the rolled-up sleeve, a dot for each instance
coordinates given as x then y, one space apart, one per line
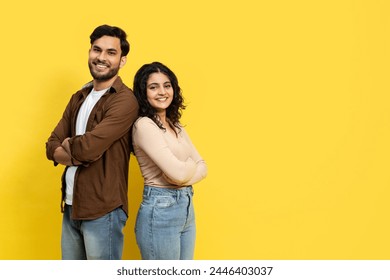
59 134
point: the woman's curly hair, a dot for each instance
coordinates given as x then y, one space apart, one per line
173 112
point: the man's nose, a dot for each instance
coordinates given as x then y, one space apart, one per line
102 56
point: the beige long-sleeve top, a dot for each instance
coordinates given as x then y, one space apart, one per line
164 159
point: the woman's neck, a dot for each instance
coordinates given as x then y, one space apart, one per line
162 118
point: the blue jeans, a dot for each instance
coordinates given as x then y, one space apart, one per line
165 226
99 239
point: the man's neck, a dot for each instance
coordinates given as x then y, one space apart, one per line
100 85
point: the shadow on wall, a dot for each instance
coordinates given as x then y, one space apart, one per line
136 184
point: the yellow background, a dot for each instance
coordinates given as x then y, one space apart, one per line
288 102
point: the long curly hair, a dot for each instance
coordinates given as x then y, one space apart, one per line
174 110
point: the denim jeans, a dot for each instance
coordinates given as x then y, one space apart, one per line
165 225
99 239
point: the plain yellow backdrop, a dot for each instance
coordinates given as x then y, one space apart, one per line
288 102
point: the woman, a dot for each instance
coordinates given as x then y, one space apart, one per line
170 164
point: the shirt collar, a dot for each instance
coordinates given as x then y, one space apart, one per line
114 87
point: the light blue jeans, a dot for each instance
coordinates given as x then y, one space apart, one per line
165 225
99 239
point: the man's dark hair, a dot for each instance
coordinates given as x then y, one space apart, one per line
113 31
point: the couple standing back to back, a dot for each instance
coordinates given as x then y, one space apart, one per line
101 125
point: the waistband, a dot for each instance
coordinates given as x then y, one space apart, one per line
150 190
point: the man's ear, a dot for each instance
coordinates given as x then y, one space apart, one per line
123 61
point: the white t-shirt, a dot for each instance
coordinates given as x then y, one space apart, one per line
81 124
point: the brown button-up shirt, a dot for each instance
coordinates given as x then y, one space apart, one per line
101 182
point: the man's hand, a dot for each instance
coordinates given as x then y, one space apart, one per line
66 146
63 156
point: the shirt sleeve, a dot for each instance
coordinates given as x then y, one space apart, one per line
148 137
60 133
119 116
201 167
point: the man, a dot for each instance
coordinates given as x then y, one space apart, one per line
92 141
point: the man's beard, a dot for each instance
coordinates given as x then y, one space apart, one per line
102 77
